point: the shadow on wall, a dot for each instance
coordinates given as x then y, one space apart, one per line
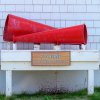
31 81
2 81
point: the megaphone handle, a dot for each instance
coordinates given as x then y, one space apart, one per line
36 46
82 47
14 46
8 45
57 47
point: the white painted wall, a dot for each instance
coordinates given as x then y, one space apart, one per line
57 13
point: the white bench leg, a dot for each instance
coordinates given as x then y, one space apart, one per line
90 82
8 83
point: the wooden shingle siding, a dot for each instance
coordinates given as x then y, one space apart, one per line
56 13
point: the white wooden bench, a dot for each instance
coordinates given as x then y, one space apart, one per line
21 60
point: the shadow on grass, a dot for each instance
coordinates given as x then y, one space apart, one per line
79 95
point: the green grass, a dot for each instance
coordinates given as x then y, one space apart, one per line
79 95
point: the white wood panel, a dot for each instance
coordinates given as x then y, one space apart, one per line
25 55
27 66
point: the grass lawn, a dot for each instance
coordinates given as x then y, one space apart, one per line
80 95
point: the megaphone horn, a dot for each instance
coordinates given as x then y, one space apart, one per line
71 35
18 26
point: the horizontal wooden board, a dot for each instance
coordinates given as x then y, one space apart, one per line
53 58
21 60
25 55
27 66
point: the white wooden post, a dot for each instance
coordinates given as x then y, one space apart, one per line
8 82
36 47
56 47
90 82
8 77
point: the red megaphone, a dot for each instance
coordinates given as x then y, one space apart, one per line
71 35
18 26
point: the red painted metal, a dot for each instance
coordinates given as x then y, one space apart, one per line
17 26
71 35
